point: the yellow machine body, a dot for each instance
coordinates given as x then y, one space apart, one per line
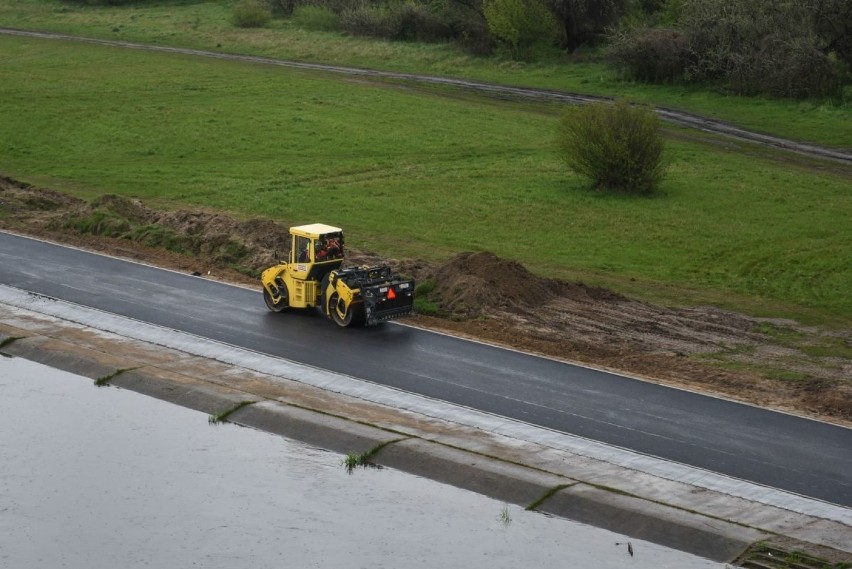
312 277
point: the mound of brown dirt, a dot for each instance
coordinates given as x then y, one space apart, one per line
473 284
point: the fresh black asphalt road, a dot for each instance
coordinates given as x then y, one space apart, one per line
774 449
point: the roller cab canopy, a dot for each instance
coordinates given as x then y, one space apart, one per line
314 230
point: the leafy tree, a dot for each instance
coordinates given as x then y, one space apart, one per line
585 21
655 55
524 26
467 18
832 21
766 46
618 146
783 48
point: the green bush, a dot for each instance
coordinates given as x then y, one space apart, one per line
584 22
792 68
251 14
334 6
525 27
761 46
654 55
773 47
374 21
317 18
106 2
398 21
418 23
832 21
405 20
618 146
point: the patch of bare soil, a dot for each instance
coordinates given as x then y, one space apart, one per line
769 363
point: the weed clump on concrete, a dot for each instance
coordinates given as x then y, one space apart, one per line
505 516
104 380
223 416
353 460
6 341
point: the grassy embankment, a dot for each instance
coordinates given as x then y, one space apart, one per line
418 173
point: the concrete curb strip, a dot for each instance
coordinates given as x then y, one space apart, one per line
714 539
61 355
317 429
498 479
209 399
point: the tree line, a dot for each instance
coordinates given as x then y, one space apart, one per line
781 48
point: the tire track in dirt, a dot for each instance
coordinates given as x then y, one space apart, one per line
525 93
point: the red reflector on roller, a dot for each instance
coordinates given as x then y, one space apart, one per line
391 294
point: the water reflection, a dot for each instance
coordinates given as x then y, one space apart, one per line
106 478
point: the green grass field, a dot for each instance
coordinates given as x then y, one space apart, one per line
207 25
424 173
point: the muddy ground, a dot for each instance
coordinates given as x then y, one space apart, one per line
767 362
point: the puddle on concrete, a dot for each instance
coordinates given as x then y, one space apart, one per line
104 478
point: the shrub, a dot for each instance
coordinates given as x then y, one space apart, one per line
335 6
107 2
655 55
618 146
472 35
282 7
774 47
671 12
524 26
761 46
584 22
832 20
405 20
418 23
316 18
251 14
402 21
792 68
375 21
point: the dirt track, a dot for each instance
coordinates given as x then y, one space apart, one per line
766 362
525 93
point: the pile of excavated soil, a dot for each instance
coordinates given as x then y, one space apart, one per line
482 296
476 284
